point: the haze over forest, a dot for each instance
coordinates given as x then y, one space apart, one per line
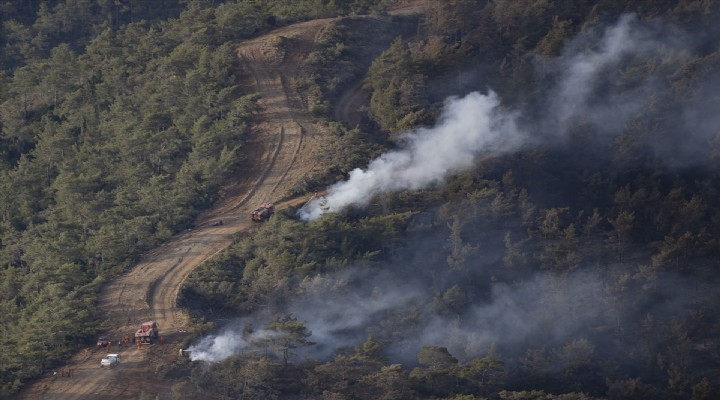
525 205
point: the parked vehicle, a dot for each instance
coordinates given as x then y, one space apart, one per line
148 332
110 360
103 341
263 212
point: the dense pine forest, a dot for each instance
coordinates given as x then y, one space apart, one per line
570 251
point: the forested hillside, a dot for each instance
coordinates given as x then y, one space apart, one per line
575 258
570 251
119 121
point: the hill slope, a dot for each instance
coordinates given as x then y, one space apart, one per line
284 142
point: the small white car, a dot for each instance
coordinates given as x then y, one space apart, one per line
110 360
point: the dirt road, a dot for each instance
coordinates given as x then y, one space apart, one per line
284 143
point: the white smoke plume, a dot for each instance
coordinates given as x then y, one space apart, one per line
229 342
467 127
543 309
476 125
218 347
335 315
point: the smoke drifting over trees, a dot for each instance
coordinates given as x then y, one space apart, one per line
547 228
468 126
586 90
472 127
569 243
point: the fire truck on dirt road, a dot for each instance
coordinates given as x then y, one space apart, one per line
147 333
262 213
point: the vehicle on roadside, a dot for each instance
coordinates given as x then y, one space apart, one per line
262 213
103 341
148 332
110 360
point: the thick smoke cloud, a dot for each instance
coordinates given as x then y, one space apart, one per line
336 309
477 126
342 310
468 126
219 347
545 310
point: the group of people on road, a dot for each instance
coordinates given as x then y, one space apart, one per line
65 372
125 341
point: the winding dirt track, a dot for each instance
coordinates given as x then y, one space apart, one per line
283 148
